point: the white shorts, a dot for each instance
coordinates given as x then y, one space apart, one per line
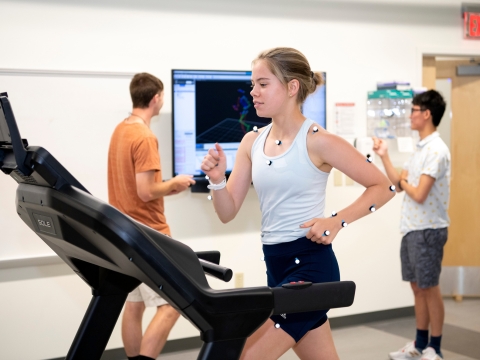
147 295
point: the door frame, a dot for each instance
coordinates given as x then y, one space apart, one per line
442 51
455 281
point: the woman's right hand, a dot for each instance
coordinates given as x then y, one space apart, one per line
214 164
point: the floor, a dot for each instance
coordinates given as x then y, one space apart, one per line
373 341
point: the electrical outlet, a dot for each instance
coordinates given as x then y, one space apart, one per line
239 280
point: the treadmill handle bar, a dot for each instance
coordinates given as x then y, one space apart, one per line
218 271
320 296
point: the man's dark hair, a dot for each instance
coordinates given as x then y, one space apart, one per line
433 101
143 88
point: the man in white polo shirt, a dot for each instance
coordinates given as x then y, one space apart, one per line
424 222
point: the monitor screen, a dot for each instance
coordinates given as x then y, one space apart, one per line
210 106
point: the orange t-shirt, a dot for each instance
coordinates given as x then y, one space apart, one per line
134 149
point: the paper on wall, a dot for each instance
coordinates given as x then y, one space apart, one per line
345 119
365 146
405 144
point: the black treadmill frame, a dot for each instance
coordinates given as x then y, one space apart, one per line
113 254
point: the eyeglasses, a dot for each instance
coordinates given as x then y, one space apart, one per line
413 110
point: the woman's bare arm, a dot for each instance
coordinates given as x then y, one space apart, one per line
327 150
227 201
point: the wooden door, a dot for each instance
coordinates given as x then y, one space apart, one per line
463 245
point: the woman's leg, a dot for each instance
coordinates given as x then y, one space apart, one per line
267 343
317 344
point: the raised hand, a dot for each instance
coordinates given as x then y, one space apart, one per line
379 146
214 164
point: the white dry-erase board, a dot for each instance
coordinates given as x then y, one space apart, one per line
72 114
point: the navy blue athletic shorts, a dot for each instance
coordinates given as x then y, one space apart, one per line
300 260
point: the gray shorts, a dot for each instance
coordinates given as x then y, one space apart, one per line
421 254
149 297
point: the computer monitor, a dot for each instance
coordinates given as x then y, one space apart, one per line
210 106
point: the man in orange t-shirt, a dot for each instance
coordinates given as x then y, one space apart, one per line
135 187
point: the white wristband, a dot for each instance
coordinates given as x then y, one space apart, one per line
220 186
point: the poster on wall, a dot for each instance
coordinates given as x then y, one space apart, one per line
345 119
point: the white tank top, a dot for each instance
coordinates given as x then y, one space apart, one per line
291 189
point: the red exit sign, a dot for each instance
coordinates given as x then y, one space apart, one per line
471 29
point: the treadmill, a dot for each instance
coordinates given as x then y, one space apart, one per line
113 254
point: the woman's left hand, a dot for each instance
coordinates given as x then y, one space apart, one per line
323 230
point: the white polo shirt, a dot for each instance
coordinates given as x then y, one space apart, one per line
432 158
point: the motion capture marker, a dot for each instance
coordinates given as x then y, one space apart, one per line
277 326
160 287
255 129
326 233
369 159
344 224
209 197
131 259
392 187
315 129
278 142
297 261
269 162
372 208
207 177
334 213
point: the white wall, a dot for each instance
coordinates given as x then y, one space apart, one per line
356 43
